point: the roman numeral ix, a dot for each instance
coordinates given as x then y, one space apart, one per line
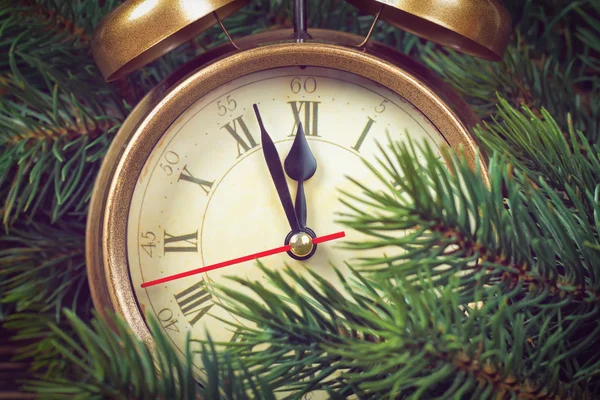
181 244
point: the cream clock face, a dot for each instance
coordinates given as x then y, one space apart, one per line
205 194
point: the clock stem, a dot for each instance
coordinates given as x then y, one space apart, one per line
300 21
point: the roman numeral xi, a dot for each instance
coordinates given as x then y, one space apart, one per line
238 129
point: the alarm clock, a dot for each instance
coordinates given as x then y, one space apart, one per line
243 152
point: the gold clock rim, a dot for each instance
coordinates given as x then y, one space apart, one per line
106 248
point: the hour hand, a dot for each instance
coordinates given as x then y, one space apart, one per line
277 174
300 165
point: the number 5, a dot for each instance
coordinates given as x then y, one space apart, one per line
381 108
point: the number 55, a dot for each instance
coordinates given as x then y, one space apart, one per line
231 105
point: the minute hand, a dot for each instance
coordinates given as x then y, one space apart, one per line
276 171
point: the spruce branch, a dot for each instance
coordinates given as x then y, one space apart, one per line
501 236
505 233
393 340
551 63
32 328
589 35
42 268
76 19
46 43
115 364
50 158
522 79
553 26
539 146
294 360
61 21
526 249
55 109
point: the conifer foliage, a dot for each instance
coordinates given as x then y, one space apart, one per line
496 293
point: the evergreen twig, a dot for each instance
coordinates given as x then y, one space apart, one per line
112 363
527 246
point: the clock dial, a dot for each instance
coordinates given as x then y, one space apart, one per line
205 194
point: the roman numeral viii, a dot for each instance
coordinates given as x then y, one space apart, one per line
306 112
181 244
194 301
244 143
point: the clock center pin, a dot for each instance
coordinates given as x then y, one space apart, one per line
301 244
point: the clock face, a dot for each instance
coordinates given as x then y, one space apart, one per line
205 194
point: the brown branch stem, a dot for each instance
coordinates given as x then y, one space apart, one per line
59 22
524 273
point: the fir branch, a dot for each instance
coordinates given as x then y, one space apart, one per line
76 18
42 268
32 329
55 113
41 50
533 258
461 227
39 178
116 364
52 148
538 145
521 79
59 23
552 27
589 35
393 340
502 236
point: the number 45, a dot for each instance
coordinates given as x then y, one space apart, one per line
150 245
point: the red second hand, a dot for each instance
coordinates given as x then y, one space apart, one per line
282 249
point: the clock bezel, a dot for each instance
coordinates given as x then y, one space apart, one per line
106 241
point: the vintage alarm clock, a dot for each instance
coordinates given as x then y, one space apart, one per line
242 153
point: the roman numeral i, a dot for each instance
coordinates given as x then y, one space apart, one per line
364 134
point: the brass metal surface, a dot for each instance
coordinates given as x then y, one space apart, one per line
477 27
139 31
106 247
301 244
